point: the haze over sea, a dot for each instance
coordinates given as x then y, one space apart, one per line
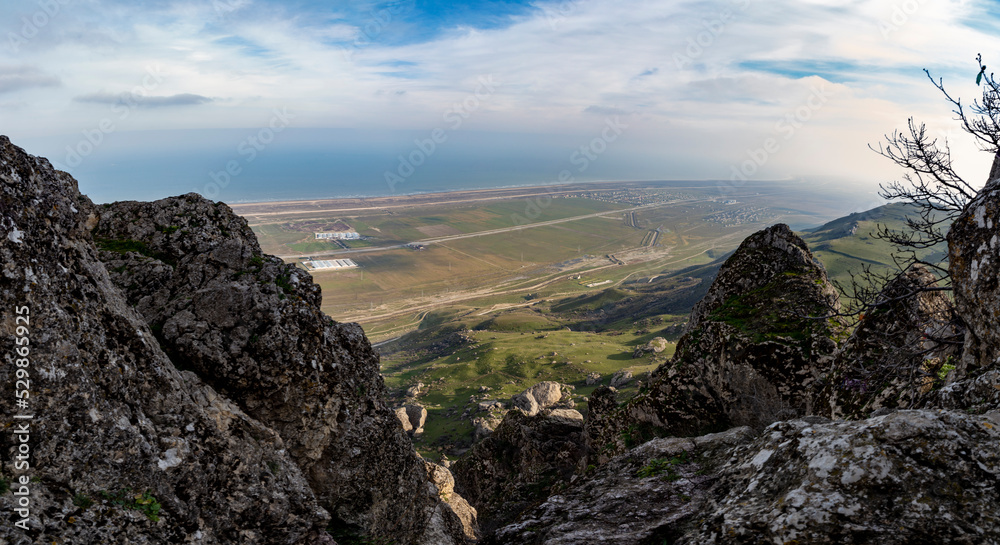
324 163
303 164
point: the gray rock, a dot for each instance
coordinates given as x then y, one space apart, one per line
654 346
490 405
547 394
751 354
415 390
518 464
525 401
541 396
571 414
907 477
621 378
974 264
897 351
404 419
483 426
417 415
593 378
443 480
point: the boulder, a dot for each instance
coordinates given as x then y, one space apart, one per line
525 401
654 346
483 426
570 414
415 390
547 394
593 378
490 405
417 415
443 480
541 396
404 419
621 378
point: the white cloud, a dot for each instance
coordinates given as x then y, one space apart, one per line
561 68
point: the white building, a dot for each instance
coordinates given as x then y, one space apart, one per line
331 264
339 235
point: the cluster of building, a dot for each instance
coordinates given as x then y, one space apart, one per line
631 196
740 216
339 235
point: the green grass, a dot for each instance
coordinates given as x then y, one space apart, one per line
124 246
518 322
664 468
508 363
310 247
143 502
842 252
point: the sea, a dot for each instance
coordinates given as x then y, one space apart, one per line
248 165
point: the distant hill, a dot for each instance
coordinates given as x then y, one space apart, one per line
847 243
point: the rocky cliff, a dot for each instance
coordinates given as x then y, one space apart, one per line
251 326
753 351
112 416
174 359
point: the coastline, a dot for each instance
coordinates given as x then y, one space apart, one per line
353 204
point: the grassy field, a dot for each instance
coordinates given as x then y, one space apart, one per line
507 354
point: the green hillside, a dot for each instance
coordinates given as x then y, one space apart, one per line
847 243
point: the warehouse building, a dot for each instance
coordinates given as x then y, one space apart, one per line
339 235
331 264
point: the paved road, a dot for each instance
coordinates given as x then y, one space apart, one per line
492 231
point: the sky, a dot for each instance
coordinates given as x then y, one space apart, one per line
267 99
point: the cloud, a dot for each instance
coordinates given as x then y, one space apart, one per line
183 99
604 110
707 80
15 78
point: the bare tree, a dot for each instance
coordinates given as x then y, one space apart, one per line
937 193
884 362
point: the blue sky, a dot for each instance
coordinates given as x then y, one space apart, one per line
144 99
